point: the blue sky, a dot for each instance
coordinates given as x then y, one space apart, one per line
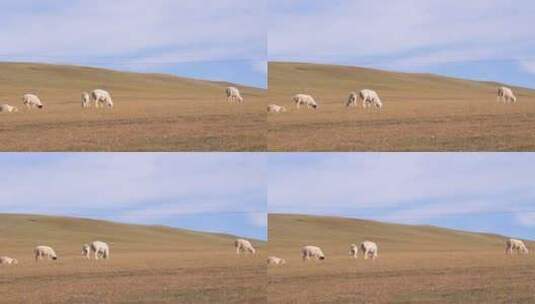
469 191
476 39
213 192
208 39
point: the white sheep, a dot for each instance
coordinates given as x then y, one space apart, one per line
8 260
354 251
86 100
515 245
101 250
352 100
32 101
44 252
86 251
233 94
369 249
273 260
242 245
102 98
273 108
305 100
369 98
506 95
312 252
7 108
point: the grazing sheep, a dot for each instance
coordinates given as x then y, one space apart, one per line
506 95
354 251
515 245
314 252
273 260
242 245
369 98
102 98
352 100
86 250
369 249
7 108
44 252
7 260
86 100
101 250
273 108
305 100
233 94
32 101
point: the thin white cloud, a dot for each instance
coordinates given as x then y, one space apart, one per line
526 219
102 31
403 186
129 185
393 30
528 66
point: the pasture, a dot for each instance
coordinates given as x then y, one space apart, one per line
148 264
416 264
152 112
422 112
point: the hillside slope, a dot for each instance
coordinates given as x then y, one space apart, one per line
287 230
416 264
147 264
422 112
152 112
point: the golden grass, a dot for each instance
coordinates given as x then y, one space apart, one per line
147 264
153 112
422 112
416 264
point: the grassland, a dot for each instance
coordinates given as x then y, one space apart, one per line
148 264
152 113
422 112
416 264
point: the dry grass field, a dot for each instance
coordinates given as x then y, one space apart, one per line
147 265
152 112
422 112
416 264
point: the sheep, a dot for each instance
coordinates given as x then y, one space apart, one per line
233 94
306 100
352 100
7 108
354 250
86 100
273 260
506 95
102 98
7 260
86 250
242 245
308 252
32 101
515 245
369 249
44 251
273 108
369 98
101 250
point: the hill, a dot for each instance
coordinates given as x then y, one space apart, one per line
416 264
422 112
153 112
148 264
287 230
